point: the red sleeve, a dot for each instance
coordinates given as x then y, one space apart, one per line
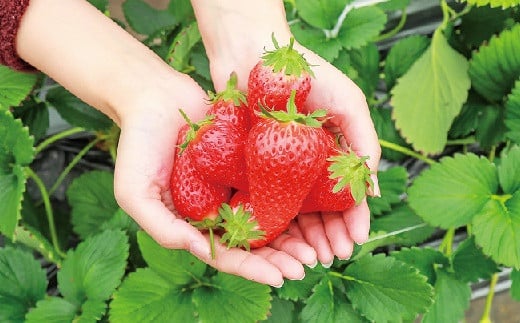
11 12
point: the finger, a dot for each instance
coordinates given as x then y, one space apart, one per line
314 232
295 247
288 266
250 266
341 243
357 220
294 230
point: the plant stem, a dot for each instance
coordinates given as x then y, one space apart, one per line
339 275
44 144
48 209
462 141
492 153
486 316
406 151
446 246
73 163
393 32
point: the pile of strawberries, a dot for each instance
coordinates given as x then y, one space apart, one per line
257 160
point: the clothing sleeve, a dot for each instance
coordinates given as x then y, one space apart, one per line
11 12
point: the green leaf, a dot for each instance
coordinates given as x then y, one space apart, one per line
430 95
392 182
452 192
392 5
92 311
425 259
470 264
101 5
495 66
180 49
512 118
508 170
386 130
494 3
515 285
361 26
146 20
376 282
329 304
401 57
451 299
497 230
95 269
35 116
91 197
178 267
295 290
282 311
322 14
480 23
77 112
315 40
232 299
14 86
490 126
365 61
52 310
144 296
16 152
22 283
34 239
182 11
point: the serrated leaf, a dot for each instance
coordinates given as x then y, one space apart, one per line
378 281
401 57
452 192
430 95
470 264
494 3
425 259
496 66
361 26
145 296
282 311
515 284
497 230
329 304
245 300
365 61
16 152
512 118
36 241
386 130
490 125
14 86
391 5
178 267
180 49
52 310
22 283
393 183
508 170
295 290
92 310
95 268
480 23
91 197
452 298
321 14
315 40
77 112
35 116
146 20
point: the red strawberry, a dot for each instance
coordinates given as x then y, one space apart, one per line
331 194
275 76
284 154
193 197
230 105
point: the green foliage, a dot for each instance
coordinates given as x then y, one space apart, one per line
494 3
14 86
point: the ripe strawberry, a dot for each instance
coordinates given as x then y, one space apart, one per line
193 197
331 194
284 152
275 76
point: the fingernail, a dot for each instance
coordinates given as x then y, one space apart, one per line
376 189
327 265
302 277
199 249
278 286
314 264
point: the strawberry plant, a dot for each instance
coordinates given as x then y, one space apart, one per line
445 101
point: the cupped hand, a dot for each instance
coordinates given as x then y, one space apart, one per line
142 175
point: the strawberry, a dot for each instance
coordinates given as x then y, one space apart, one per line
193 197
284 150
275 76
331 194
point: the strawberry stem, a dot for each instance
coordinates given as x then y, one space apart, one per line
315 119
286 59
351 170
231 93
194 127
239 227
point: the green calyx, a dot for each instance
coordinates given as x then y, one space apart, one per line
286 59
351 170
315 119
194 128
231 93
238 226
